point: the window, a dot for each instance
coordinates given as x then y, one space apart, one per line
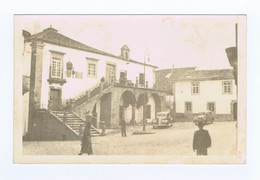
211 106
123 75
56 67
110 73
195 88
92 68
227 87
188 107
141 78
123 78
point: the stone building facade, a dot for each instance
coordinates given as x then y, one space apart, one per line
66 75
194 91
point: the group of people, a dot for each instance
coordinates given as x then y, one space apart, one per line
201 138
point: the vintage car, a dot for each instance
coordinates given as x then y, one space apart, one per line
163 119
205 117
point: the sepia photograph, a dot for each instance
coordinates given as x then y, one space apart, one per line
130 89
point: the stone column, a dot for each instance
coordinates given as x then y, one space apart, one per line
115 105
35 80
133 112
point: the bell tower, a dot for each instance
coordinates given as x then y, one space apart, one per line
125 52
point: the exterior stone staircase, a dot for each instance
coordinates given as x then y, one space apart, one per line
86 100
85 96
75 123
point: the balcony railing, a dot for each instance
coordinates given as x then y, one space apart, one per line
98 88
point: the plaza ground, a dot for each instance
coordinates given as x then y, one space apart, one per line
175 140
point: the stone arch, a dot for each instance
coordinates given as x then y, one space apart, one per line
127 106
142 101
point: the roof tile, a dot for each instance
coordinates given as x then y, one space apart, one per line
51 35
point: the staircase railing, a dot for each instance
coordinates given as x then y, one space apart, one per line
86 95
93 127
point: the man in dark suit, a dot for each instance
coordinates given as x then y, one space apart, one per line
201 140
86 143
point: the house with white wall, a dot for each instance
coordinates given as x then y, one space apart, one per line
65 74
196 91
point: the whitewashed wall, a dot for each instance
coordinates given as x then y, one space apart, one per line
210 91
151 102
79 61
26 62
26 59
25 112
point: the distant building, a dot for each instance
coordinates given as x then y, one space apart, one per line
190 91
68 75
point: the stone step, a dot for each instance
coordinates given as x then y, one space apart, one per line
72 116
69 119
74 122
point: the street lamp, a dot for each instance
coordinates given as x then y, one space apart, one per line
147 53
232 57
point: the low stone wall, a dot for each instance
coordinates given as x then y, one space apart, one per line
223 117
182 117
48 128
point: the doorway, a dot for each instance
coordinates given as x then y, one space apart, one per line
110 73
55 99
234 111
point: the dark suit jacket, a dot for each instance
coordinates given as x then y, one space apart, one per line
86 134
201 139
123 124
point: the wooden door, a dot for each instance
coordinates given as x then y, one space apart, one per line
55 99
235 111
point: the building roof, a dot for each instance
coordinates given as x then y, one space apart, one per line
202 75
51 35
165 77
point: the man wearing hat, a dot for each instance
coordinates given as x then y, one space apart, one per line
201 140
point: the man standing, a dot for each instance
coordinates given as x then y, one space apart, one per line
86 144
123 128
201 140
65 117
103 127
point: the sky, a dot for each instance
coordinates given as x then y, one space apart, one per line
168 40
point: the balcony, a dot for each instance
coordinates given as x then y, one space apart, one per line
57 80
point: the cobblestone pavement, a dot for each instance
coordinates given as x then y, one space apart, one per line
175 140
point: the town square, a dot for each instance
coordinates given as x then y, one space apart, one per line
91 90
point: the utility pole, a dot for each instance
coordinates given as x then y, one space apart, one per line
145 90
144 104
